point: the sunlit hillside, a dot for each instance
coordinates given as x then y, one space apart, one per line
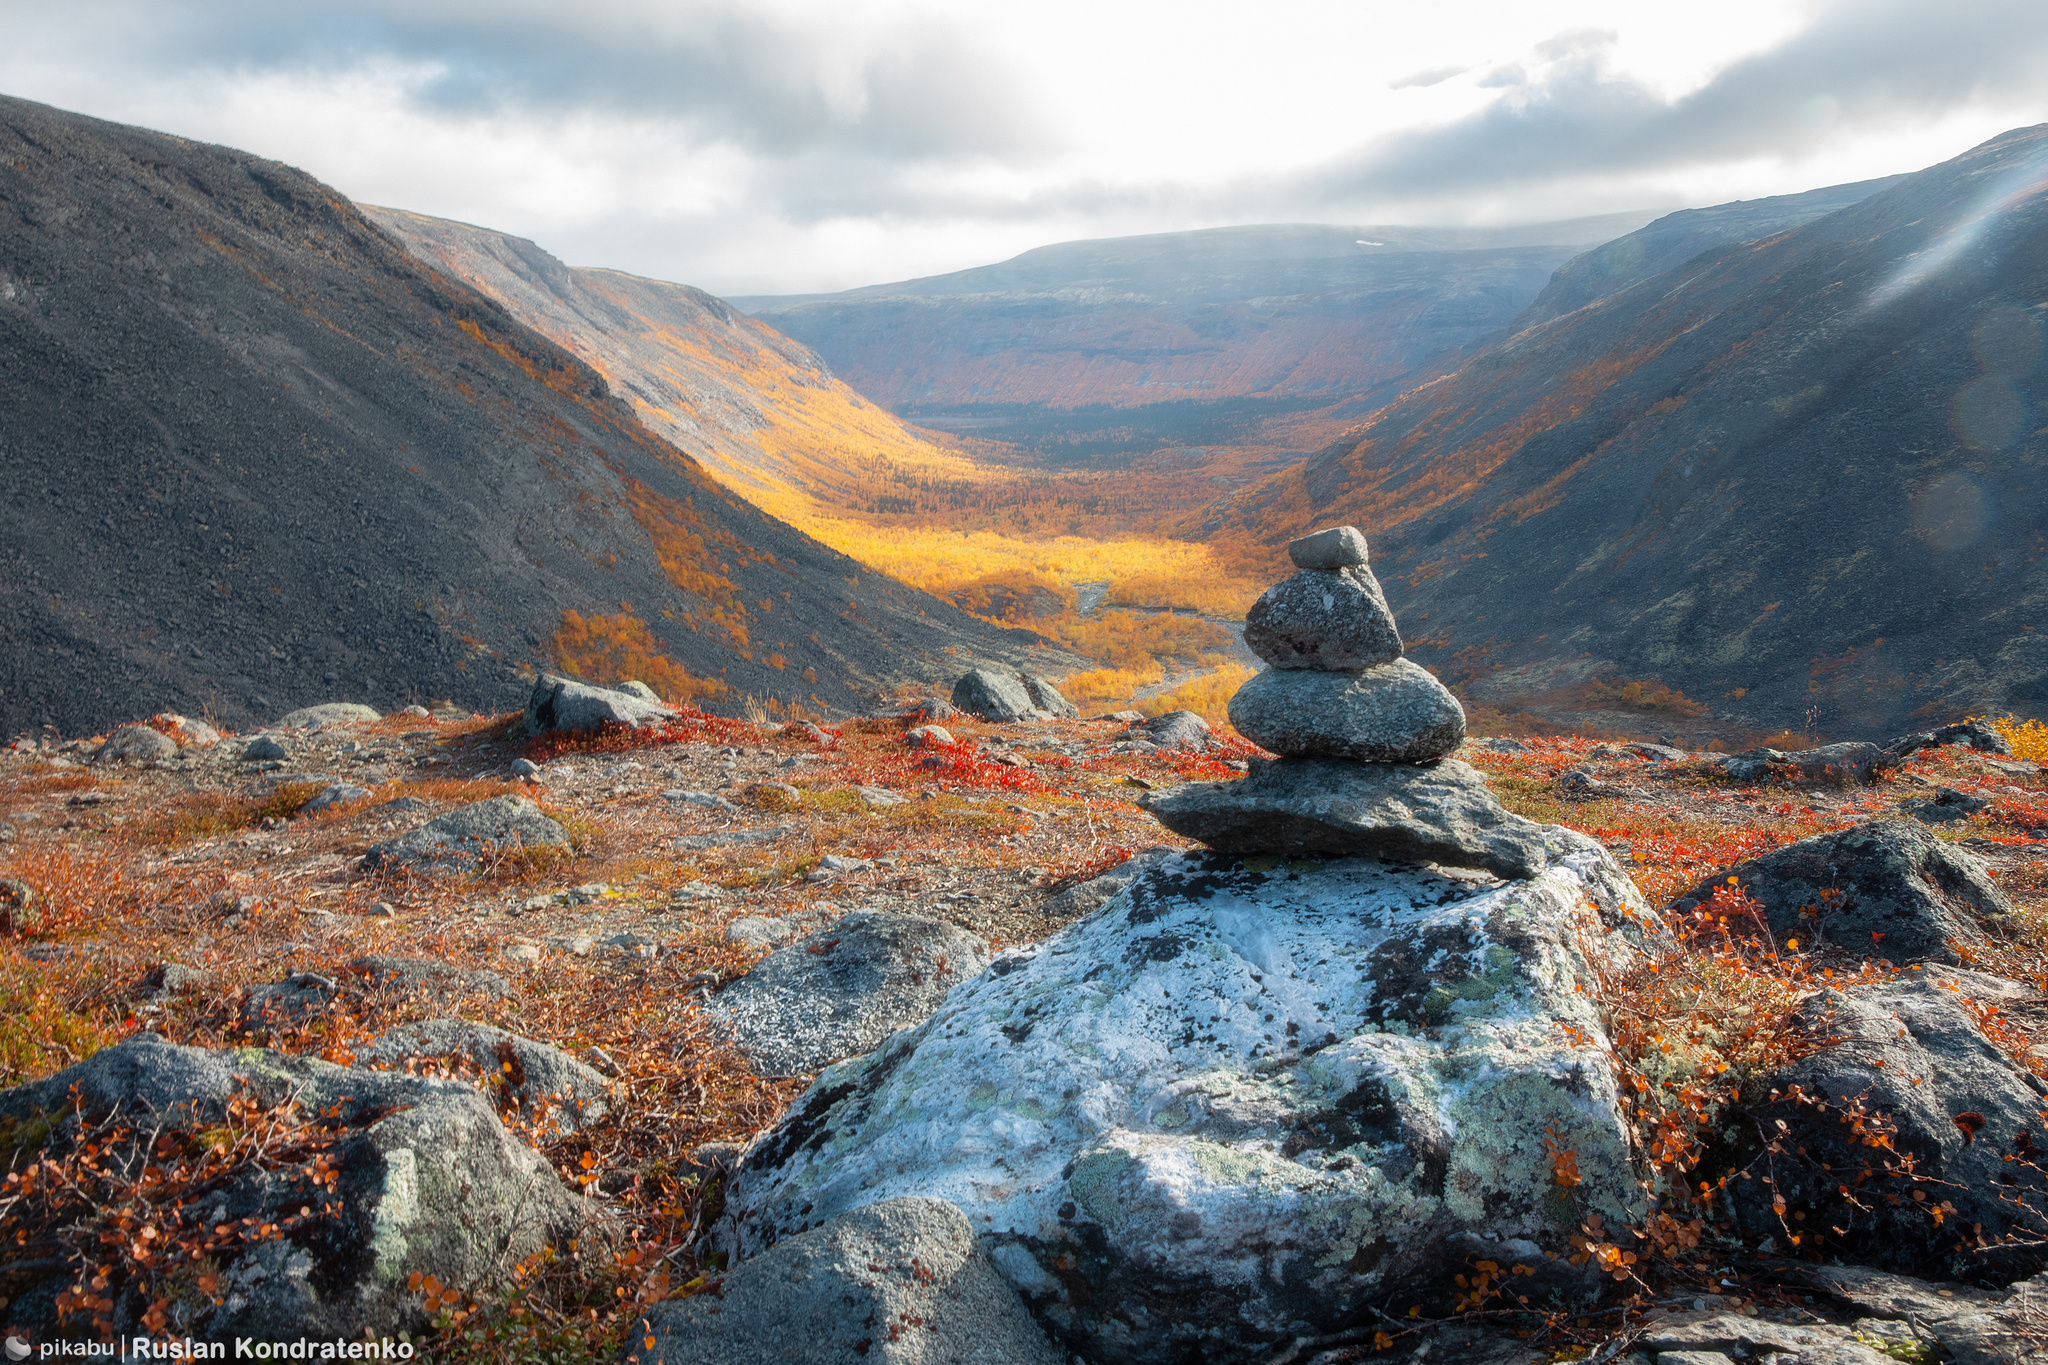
767 418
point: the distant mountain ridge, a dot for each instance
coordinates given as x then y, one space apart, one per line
258 455
1800 477
1282 312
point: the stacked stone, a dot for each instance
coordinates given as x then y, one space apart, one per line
1364 737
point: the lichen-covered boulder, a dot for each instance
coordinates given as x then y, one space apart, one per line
550 1089
845 988
328 713
1241 1099
425 1179
1048 698
135 744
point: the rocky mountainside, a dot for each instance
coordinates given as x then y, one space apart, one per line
761 412
258 455
1169 329
1799 479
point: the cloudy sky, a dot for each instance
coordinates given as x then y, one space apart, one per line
754 146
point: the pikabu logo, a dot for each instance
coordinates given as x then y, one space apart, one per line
185 1348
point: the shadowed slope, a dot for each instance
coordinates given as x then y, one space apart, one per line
258 455
1800 478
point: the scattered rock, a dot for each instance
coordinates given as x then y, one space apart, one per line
925 736
1854 762
925 710
842 990
902 1282
551 1089
881 796
1126 717
1947 807
708 800
21 910
340 794
1442 813
1661 753
1712 1337
1191 1103
526 769
1965 1116
726 838
1500 744
328 713
427 977
992 696
562 704
401 805
168 980
1047 698
468 836
293 1000
1577 784
761 931
1334 547
185 732
1178 730
135 744
428 1181
1331 619
264 749
1395 713
1887 889
1971 734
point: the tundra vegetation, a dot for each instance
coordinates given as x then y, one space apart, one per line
612 942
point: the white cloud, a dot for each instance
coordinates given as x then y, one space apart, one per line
755 145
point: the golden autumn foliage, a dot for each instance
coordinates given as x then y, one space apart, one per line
609 649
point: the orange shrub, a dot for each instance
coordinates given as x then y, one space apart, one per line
609 649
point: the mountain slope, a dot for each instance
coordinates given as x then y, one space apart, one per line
760 411
258 455
1285 314
1800 478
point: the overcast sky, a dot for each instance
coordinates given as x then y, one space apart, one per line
752 146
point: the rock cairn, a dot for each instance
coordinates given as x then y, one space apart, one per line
1364 737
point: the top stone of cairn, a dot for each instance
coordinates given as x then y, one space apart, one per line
1334 547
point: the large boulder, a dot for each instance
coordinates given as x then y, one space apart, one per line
1886 889
425 1179
1047 698
1331 619
1396 713
1850 762
991 695
558 703
1235 1104
1178 730
551 1090
469 836
901 1282
135 744
1442 813
328 713
845 988
1908 1141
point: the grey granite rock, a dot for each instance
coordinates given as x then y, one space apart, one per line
633 687
1442 813
991 695
264 749
465 837
340 794
1047 698
1884 889
1178 730
1396 713
312 717
1335 619
902 1282
1334 547
135 744
563 704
